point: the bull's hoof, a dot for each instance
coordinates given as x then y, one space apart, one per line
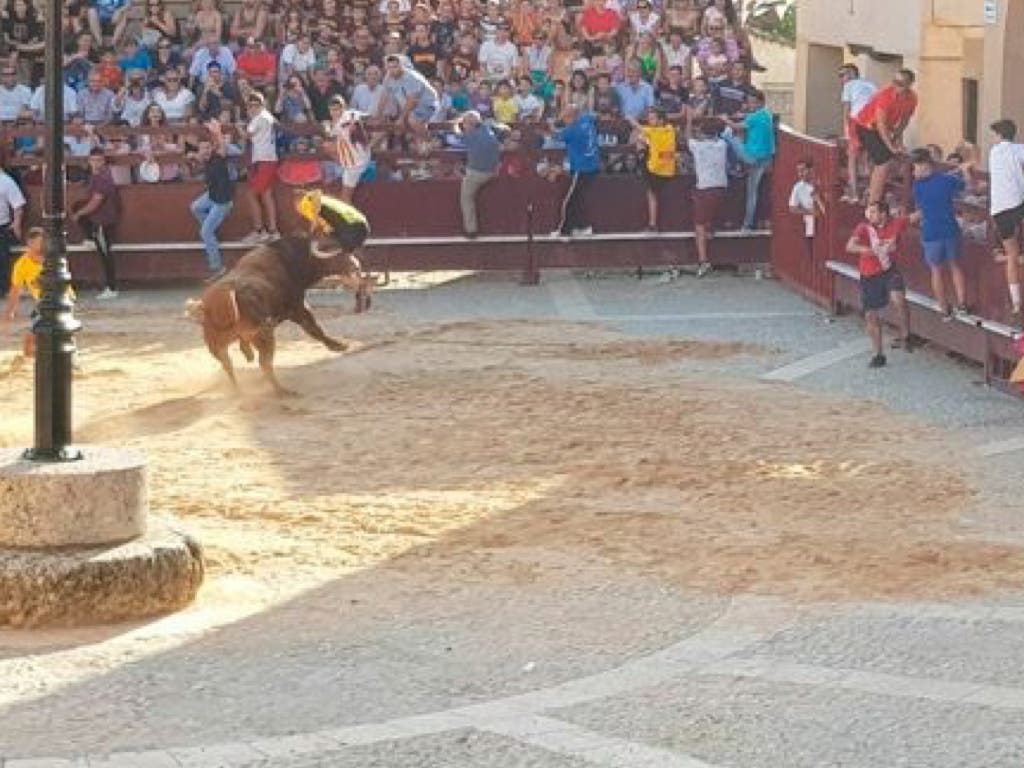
336 346
286 394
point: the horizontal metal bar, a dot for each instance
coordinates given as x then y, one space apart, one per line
927 302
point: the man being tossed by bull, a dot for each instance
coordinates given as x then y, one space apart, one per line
347 227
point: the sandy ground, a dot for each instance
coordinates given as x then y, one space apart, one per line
514 450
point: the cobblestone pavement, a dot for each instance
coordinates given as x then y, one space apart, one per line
458 678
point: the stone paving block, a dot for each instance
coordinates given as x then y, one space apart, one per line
216 756
151 759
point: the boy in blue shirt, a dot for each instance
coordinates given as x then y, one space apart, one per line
935 196
580 137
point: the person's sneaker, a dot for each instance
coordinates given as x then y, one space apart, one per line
254 237
703 269
583 232
106 295
270 236
962 311
558 235
216 275
947 315
878 361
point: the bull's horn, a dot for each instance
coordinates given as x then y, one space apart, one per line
320 254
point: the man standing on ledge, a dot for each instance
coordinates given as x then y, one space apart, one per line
880 127
579 135
483 155
214 205
1006 200
98 216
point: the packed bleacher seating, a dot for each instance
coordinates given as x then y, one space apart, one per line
143 76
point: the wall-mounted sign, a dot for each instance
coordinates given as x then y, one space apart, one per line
991 11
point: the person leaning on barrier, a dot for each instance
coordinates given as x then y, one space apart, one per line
483 156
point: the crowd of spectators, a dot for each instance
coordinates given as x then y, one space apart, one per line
406 66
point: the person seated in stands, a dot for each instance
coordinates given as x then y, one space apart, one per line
250 22
176 101
297 59
79 62
258 65
678 54
165 60
131 101
96 101
159 24
424 53
38 102
108 20
529 106
673 96
110 73
370 97
22 30
208 24
701 99
134 56
598 25
293 105
14 96
715 43
214 93
211 50
321 90
730 96
154 146
651 58
635 94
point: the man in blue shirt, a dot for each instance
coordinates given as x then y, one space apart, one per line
483 155
636 95
580 138
108 17
756 151
935 196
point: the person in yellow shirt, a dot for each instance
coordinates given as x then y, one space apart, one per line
26 274
504 105
660 144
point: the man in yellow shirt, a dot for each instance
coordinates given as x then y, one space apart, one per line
661 144
26 274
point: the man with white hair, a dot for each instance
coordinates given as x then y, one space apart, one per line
483 155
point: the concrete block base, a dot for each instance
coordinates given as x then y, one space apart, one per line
157 573
100 499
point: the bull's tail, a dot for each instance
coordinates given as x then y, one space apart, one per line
218 308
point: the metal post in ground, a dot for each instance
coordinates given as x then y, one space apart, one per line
55 326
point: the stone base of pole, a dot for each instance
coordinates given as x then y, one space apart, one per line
76 546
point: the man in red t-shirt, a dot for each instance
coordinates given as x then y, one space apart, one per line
599 26
880 127
876 243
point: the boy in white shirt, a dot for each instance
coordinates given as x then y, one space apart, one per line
531 108
710 161
805 202
261 130
1006 199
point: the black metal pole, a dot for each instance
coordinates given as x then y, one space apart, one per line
56 325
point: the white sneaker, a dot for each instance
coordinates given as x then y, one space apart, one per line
270 236
106 295
557 235
703 269
583 232
254 237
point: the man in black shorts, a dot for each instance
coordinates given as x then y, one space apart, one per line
876 242
880 127
1006 200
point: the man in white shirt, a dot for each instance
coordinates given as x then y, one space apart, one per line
368 96
1006 200
857 92
499 57
710 161
297 58
38 102
14 96
261 130
174 99
12 210
531 108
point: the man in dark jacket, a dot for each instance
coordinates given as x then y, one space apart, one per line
214 205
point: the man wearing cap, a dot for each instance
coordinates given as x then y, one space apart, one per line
214 205
483 155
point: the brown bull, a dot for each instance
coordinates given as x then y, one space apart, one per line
265 288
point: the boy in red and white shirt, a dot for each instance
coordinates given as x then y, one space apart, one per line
352 145
877 242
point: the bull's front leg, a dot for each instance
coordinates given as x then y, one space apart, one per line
303 317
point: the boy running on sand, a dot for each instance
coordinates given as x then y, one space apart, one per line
26 275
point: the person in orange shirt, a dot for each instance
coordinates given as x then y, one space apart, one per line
880 127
